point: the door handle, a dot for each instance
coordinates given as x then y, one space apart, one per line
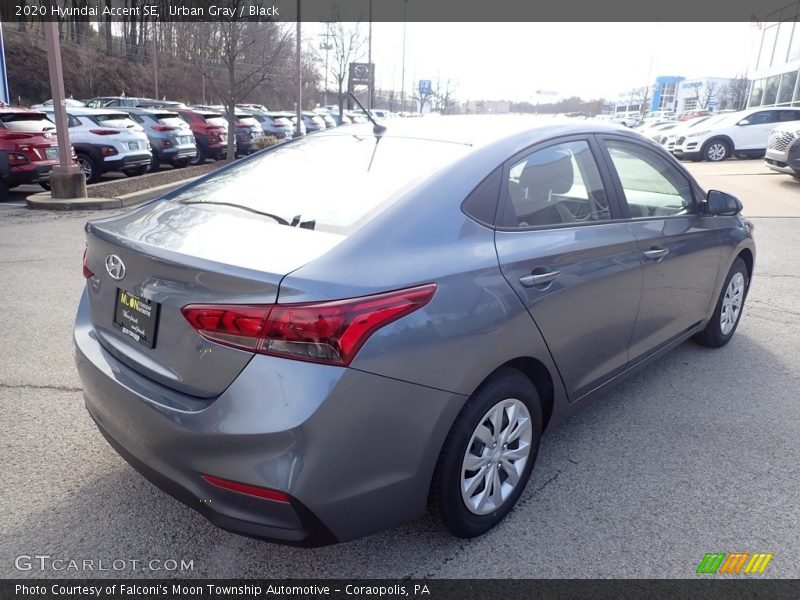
656 253
538 279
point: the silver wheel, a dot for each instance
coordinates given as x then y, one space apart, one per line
86 166
496 456
731 304
717 151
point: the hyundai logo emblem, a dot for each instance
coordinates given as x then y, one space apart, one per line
115 266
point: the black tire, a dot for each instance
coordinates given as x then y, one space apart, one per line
3 189
44 186
716 150
89 166
200 158
445 499
155 164
713 335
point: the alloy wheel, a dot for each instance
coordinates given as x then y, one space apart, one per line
732 304
86 166
496 456
717 151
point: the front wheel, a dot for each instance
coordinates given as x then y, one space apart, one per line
723 323
488 455
89 168
716 150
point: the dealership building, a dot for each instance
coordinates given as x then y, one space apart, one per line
678 94
774 80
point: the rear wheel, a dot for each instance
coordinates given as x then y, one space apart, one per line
44 185
488 455
3 189
723 323
89 167
200 158
716 150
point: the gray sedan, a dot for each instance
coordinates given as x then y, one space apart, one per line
320 358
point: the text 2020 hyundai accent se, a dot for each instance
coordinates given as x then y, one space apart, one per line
322 340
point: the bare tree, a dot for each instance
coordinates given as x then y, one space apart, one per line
445 99
734 95
348 47
705 97
239 57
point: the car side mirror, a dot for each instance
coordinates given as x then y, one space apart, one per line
722 204
743 122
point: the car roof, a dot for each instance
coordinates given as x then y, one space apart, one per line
79 111
149 110
8 108
480 130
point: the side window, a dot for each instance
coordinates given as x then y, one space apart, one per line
72 121
136 118
788 115
186 118
759 118
553 186
653 187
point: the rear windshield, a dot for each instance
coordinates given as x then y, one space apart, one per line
115 121
26 122
170 120
338 182
214 119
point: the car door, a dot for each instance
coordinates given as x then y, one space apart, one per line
679 245
570 258
752 132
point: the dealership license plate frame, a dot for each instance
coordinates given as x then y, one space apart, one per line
136 317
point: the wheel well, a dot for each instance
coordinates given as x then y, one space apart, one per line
747 257
723 138
541 379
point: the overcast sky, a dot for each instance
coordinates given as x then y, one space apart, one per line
513 60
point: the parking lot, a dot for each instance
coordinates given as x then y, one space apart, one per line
699 453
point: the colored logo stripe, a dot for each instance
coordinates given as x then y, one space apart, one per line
758 563
711 562
734 562
721 562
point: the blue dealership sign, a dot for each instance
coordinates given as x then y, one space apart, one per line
425 87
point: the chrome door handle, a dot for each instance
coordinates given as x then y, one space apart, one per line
538 279
656 253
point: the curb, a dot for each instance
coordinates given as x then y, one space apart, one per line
44 201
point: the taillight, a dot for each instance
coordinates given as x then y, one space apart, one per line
108 150
324 332
166 143
249 490
86 271
104 131
162 128
17 158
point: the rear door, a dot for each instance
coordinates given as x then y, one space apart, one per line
570 258
679 245
753 131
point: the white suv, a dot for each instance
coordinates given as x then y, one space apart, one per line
106 140
742 133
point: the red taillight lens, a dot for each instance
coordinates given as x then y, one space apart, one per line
162 128
17 158
249 490
104 131
86 271
109 151
325 332
166 143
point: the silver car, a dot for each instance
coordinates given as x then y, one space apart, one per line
320 358
783 150
170 137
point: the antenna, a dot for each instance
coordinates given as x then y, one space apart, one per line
377 129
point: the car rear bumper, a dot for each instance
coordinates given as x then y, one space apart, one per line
30 173
176 153
128 161
354 451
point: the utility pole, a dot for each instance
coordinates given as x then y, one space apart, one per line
66 180
403 69
326 45
299 58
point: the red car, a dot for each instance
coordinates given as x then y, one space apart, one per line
28 147
210 131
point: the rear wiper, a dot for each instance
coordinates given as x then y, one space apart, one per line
279 220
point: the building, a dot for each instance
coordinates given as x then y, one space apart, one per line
665 93
708 93
774 79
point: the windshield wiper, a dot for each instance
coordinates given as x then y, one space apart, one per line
279 220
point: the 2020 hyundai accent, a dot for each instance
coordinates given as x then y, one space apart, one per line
333 335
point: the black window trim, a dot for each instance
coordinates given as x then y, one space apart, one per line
614 206
659 152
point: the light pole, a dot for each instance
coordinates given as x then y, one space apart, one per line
298 131
66 180
371 86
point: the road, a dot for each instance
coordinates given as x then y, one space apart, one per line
698 453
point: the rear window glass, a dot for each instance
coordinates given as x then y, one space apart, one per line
170 120
338 183
26 122
217 120
115 121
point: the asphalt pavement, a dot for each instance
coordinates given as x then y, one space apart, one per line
698 453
